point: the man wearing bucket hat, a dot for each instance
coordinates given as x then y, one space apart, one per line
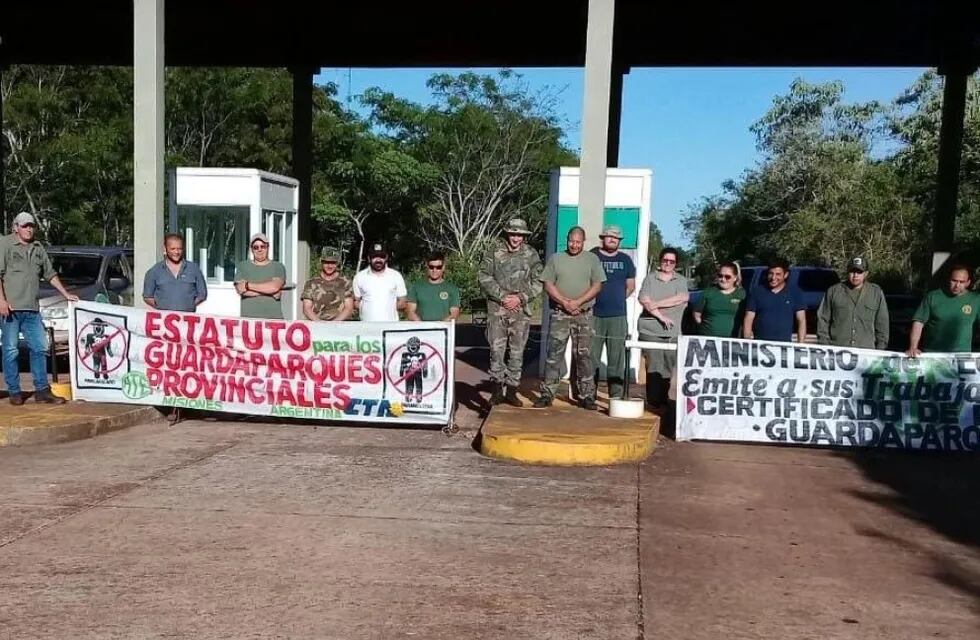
854 313
328 296
510 278
23 260
609 313
260 281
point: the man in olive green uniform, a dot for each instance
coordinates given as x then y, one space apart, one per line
509 276
572 280
259 282
23 260
433 299
328 296
854 313
947 316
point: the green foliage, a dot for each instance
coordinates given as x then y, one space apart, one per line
838 180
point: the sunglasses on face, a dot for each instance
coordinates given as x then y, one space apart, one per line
259 247
725 276
667 261
434 266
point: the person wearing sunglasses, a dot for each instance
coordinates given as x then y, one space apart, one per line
433 298
718 312
664 298
260 281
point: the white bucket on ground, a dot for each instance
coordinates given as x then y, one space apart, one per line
629 408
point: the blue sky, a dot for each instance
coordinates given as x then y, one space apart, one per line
691 126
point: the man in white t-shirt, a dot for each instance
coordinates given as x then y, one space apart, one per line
379 292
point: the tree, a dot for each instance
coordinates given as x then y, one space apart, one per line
68 158
492 143
819 194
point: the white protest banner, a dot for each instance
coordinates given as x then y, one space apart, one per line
784 393
360 371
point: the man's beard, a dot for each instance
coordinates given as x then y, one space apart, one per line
377 265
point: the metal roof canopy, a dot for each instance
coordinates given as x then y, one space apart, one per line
511 33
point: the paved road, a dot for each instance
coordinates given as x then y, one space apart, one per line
249 530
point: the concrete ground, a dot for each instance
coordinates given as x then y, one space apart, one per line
215 529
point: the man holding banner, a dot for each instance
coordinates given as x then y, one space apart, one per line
23 260
854 313
769 312
947 317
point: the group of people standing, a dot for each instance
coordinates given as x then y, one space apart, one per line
377 293
587 292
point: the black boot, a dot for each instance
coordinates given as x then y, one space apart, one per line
542 403
498 395
588 404
510 397
45 396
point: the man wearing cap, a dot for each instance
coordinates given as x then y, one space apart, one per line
854 313
510 278
610 321
260 281
329 295
379 291
572 279
174 284
23 260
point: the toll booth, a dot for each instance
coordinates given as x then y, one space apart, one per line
627 205
218 210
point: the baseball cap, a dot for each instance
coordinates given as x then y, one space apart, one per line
23 218
329 254
613 231
258 236
377 249
857 264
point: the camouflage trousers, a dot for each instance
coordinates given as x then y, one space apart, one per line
563 326
507 329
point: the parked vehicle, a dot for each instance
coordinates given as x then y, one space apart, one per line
813 282
87 272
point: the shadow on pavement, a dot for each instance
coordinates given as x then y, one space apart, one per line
941 491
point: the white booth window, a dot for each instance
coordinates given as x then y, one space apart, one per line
278 226
216 238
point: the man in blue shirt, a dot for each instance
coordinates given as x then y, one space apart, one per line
770 311
609 320
173 284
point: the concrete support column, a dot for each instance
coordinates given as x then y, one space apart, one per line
303 166
595 116
948 174
615 117
148 137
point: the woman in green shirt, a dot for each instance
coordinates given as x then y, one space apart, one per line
718 312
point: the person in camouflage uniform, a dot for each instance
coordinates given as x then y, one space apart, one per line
328 296
509 276
572 279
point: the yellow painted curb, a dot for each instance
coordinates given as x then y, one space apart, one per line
62 389
567 437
